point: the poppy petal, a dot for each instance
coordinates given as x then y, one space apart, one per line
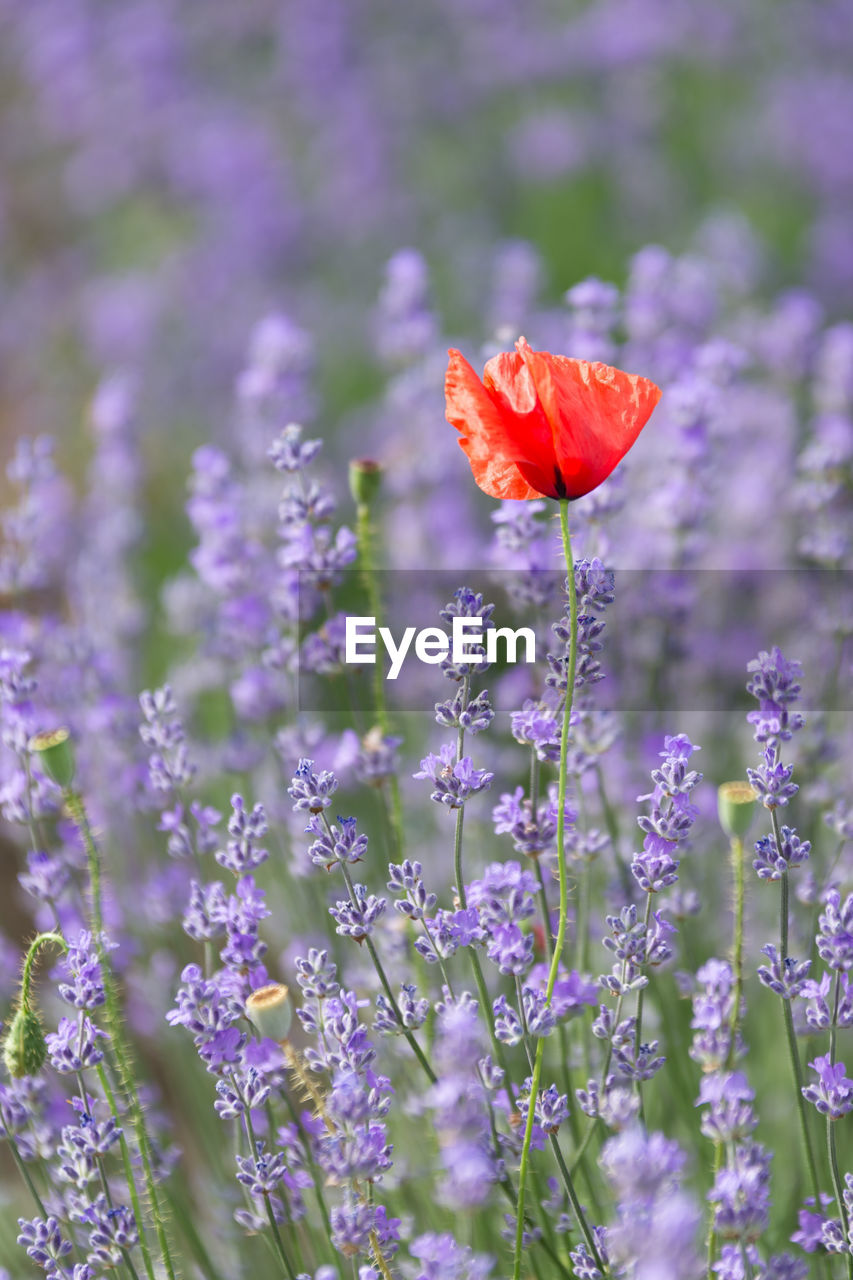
596 413
527 435
482 432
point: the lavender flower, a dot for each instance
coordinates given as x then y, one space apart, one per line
85 988
43 1241
74 1045
312 791
454 780
833 1092
163 733
835 936
336 844
243 853
357 919
772 863
670 818
775 684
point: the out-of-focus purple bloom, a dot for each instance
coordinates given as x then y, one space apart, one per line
243 852
656 1223
207 911
33 531
774 682
712 1016
459 1107
377 757
835 933
163 733
441 1258
741 1194
730 1116
405 324
290 453
43 1241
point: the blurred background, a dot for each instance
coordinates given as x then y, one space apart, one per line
170 172
219 217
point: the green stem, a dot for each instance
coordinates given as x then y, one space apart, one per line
460 812
564 907
279 1243
712 1230
479 976
310 1162
737 944
830 1130
128 1170
121 1052
641 994
383 978
790 1033
25 1174
364 539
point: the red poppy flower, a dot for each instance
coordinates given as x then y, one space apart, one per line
544 425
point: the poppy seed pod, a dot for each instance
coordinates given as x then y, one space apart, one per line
269 1010
56 755
736 808
365 480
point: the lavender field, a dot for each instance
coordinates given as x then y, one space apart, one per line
524 961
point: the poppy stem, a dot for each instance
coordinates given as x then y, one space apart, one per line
560 940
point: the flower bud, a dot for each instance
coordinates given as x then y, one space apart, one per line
24 1048
736 808
268 1009
365 478
56 755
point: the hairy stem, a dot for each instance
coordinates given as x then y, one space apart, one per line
364 538
564 906
737 943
